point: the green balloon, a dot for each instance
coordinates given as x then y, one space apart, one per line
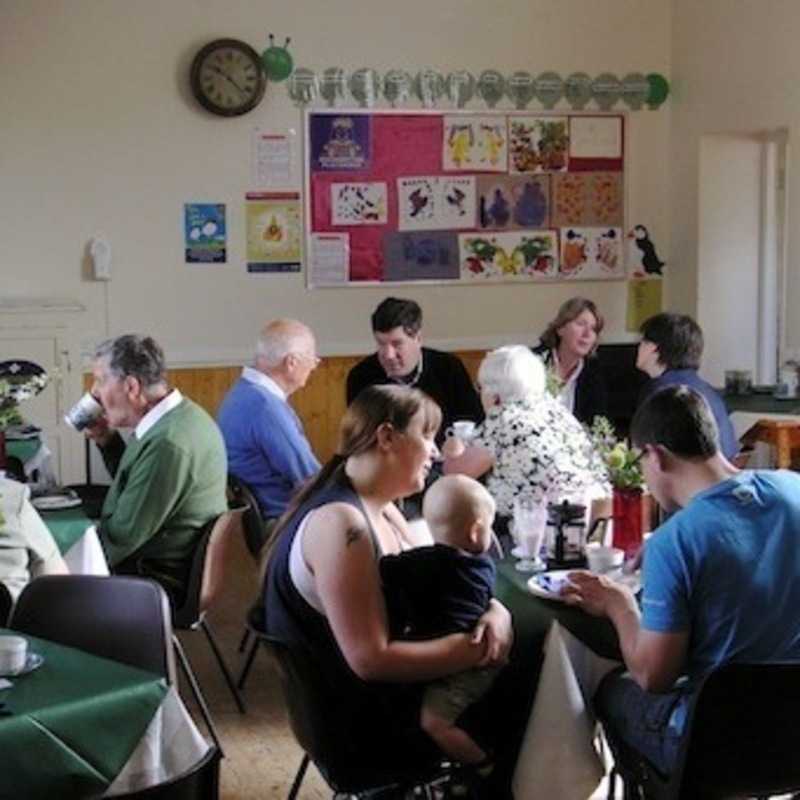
659 89
277 62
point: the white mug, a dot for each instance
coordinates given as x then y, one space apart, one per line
13 653
84 413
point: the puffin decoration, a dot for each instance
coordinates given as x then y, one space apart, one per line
644 254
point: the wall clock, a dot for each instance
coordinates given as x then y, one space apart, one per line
227 77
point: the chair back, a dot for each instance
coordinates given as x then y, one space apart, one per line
240 494
6 603
121 618
200 782
209 566
742 733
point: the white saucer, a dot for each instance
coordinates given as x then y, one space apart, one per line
55 502
32 661
541 584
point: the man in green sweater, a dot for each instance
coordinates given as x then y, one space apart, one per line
169 480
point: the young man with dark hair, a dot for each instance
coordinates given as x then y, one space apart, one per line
670 352
401 358
720 578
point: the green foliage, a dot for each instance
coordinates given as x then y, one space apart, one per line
621 461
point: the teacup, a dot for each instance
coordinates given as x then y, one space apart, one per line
13 653
464 429
601 558
84 413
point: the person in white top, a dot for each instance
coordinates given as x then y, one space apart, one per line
27 548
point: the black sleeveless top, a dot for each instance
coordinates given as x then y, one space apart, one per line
377 723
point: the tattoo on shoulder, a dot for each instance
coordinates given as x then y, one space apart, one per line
353 534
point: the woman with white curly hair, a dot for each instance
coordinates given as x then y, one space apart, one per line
529 443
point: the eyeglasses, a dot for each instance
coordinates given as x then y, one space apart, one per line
315 360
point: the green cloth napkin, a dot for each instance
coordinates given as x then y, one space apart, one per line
67 526
75 722
23 449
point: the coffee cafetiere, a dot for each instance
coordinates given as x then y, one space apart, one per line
566 535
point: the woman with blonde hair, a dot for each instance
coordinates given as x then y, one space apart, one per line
323 594
567 347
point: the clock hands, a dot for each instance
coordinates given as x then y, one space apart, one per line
215 68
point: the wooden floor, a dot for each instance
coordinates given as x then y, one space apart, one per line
261 754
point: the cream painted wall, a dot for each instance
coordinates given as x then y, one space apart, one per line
100 134
735 69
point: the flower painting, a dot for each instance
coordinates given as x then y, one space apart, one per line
538 144
518 255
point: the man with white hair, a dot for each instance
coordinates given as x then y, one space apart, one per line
267 447
169 479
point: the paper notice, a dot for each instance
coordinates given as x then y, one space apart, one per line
330 259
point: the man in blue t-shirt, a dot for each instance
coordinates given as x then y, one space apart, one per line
670 352
721 577
266 444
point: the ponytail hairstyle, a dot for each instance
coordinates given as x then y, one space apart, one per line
358 433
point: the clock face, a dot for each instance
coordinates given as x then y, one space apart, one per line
227 77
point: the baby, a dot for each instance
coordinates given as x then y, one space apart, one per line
445 588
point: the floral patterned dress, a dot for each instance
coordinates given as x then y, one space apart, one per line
541 450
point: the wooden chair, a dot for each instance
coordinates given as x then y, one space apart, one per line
783 435
206 583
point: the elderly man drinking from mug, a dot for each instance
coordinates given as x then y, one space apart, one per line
169 480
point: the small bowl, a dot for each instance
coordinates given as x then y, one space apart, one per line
601 558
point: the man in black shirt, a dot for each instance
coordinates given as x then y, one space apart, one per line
401 358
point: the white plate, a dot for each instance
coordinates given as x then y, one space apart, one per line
55 502
542 584
32 661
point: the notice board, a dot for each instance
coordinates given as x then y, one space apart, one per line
463 197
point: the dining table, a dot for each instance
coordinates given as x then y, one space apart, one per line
77 540
83 726
566 653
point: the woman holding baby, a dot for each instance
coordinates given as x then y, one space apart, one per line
323 593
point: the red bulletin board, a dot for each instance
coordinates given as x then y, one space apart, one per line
506 198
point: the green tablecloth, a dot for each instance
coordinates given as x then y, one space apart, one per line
74 723
67 526
534 615
23 449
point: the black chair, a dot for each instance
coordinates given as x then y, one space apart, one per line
239 496
200 782
320 736
206 582
120 618
6 604
15 469
741 739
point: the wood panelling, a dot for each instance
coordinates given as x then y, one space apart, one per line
320 404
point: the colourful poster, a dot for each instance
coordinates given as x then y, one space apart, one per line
509 256
428 202
591 253
474 144
273 231
588 198
538 144
644 300
358 203
507 202
421 256
340 142
204 233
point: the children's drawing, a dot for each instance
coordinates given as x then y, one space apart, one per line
429 202
477 144
358 203
569 202
340 142
591 253
538 144
595 137
431 255
519 255
511 202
